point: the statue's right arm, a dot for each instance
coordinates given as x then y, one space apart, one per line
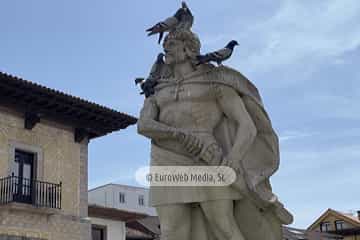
148 124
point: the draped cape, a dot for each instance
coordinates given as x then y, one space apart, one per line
261 207
260 214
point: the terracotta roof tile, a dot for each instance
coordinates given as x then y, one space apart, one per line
113 213
59 106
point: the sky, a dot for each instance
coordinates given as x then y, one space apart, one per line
303 56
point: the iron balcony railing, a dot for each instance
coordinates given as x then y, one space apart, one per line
37 193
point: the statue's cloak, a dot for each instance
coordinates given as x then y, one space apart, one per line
259 214
261 208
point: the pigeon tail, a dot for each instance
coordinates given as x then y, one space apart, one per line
152 31
159 27
161 34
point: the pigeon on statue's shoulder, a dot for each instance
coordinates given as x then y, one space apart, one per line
147 86
155 72
218 56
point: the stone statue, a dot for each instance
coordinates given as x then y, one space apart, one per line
203 115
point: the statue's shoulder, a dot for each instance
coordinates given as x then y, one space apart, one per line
199 74
224 75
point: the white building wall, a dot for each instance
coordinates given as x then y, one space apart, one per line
115 230
109 196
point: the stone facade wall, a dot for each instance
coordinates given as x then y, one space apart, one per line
83 198
59 159
43 226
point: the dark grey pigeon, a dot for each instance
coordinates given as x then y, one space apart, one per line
183 18
139 80
156 69
218 56
147 86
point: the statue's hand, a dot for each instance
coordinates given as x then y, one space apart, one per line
226 161
191 143
212 154
232 161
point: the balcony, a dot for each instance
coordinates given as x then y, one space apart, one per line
40 194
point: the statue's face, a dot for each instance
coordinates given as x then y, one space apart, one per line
175 51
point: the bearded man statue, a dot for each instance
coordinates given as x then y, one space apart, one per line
211 116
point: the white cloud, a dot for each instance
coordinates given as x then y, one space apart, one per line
321 105
308 161
299 32
294 135
209 41
304 31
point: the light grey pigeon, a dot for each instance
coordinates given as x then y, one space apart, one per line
186 17
183 18
218 56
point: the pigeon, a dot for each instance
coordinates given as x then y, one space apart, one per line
155 72
183 19
186 17
139 80
147 86
218 56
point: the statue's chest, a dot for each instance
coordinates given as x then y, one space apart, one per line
185 92
191 106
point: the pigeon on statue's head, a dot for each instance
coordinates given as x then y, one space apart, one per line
183 19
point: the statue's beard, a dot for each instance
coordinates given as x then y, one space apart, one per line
177 57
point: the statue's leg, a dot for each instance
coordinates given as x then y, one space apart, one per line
200 229
175 221
220 216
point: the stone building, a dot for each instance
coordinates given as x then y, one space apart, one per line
143 229
110 223
300 234
125 197
44 136
119 198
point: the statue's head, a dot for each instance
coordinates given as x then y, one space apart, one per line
180 46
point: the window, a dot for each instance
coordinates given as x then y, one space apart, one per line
141 200
98 232
339 224
16 153
122 197
24 164
23 176
325 227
